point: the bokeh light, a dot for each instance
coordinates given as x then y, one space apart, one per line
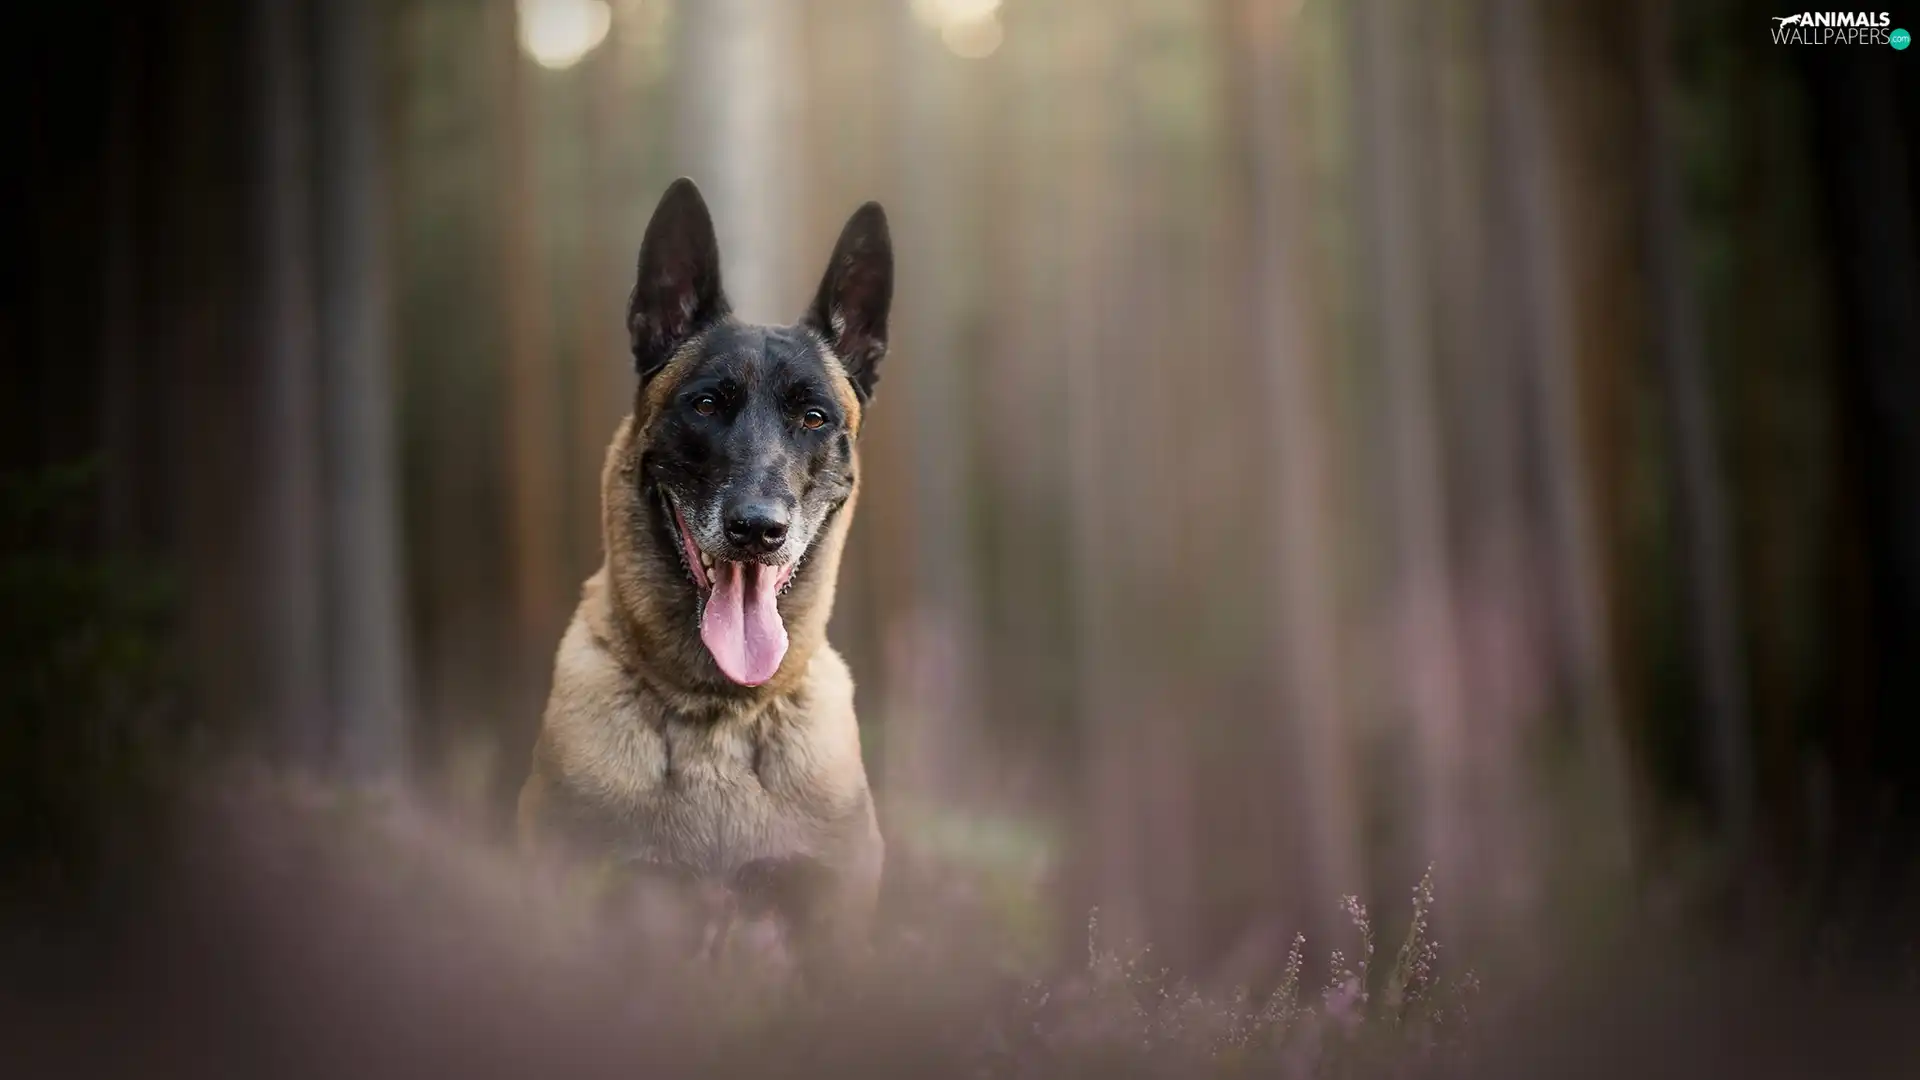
558 34
970 29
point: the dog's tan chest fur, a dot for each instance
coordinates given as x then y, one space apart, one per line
706 792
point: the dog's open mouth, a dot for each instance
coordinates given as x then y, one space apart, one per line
740 612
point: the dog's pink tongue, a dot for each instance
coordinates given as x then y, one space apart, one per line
742 626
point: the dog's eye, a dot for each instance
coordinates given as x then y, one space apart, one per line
812 419
706 404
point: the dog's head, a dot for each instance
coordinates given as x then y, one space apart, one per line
745 432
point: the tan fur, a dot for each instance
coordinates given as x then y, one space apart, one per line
640 760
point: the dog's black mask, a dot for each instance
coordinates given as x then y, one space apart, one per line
749 450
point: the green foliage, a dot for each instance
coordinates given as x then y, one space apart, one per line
82 669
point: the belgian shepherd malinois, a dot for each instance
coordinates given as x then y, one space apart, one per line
700 727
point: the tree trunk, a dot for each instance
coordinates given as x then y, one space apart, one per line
1534 290
603 369
291 539
1700 494
368 636
1309 717
1392 91
1108 869
1869 135
531 409
738 98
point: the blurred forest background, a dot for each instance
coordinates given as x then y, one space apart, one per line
1320 439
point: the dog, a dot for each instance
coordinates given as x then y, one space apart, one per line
700 729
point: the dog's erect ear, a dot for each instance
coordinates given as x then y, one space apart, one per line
676 292
851 308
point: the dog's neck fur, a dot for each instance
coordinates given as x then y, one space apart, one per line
650 621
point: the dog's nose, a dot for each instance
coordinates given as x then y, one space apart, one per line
757 527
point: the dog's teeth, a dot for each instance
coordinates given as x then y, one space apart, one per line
706 560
